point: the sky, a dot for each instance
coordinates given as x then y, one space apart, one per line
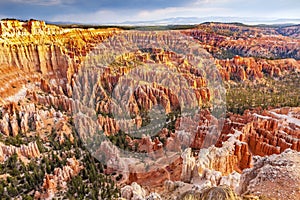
117 11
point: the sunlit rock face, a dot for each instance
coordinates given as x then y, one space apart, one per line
15 28
31 50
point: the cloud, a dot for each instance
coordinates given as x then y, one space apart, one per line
180 12
108 11
3 17
110 16
41 2
190 8
135 4
95 17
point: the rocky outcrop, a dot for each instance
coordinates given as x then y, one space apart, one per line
154 90
188 165
14 83
291 31
248 68
15 28
63 132
59 179
55 57
60 102
23 119
136 192
155 176
231 163
133 192
270 175
47 59
24 151
223 40
181 190
220 159
272 131
216 166
266 132
234 155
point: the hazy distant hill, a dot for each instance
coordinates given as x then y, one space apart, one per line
198 20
